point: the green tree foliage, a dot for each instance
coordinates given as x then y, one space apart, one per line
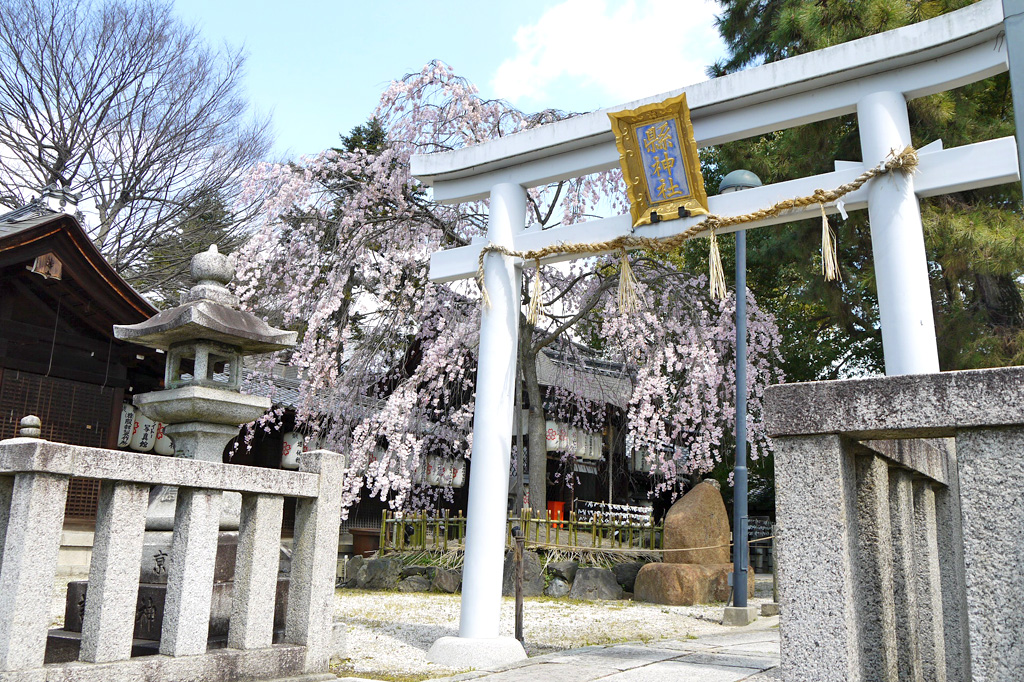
973 239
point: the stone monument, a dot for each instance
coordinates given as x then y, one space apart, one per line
205 339
697 522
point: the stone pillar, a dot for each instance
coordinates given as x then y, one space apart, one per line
314 562
6 492
991 481
931 634
904 575
815 503
31 544
950 540
259 542
190 578
874 571
109 619
897 241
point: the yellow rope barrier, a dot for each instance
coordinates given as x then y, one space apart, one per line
905 161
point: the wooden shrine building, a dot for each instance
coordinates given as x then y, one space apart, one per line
59 299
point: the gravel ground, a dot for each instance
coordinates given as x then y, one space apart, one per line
389 632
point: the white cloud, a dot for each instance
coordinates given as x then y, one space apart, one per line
588 51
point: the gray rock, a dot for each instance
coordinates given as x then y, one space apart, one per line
424 571
625 574
595 583
446 580
414 583
566 570
379 574
533 576
352 570
558 587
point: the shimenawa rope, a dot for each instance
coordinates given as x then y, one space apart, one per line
905 161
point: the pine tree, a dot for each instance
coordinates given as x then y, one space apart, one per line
975 251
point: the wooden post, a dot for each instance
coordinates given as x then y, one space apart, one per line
518 558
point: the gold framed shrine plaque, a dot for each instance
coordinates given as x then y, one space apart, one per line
659 161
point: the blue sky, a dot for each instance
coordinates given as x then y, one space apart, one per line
320 65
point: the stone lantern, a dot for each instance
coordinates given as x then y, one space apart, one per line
205 339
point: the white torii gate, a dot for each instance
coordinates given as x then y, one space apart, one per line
873 77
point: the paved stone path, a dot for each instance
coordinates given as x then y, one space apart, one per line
748 655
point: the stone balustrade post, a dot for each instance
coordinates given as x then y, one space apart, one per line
931 636
314 561
109 620
186 621
259 542
816 505
991 486
31 544
905 577
6 492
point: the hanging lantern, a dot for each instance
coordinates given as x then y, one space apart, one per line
163 445
127 426
459 477
291 448
143 433
434 465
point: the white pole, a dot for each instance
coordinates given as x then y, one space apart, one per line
492 421
897 240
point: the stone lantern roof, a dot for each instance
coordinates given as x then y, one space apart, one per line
208 312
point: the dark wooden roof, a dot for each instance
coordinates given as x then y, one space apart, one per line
65 327
61 234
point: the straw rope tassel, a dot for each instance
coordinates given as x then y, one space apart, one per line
534 311
629 301
829 257
715 269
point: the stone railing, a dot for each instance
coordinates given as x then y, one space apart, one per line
33 485
900 514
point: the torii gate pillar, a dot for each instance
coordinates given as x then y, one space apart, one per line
478 644
897 241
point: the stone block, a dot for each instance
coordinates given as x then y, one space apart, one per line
625 574
474 652
558 587
533 575
595 583
566 570
739 615
149 609
156 557
446 580
685 584
381 573
770 609
698 519
414 583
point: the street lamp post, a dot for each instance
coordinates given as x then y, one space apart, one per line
740 613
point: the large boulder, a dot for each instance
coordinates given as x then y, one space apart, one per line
595 583
685 584
533 575
698 519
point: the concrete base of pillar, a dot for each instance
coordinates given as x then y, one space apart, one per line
479 653
739 615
